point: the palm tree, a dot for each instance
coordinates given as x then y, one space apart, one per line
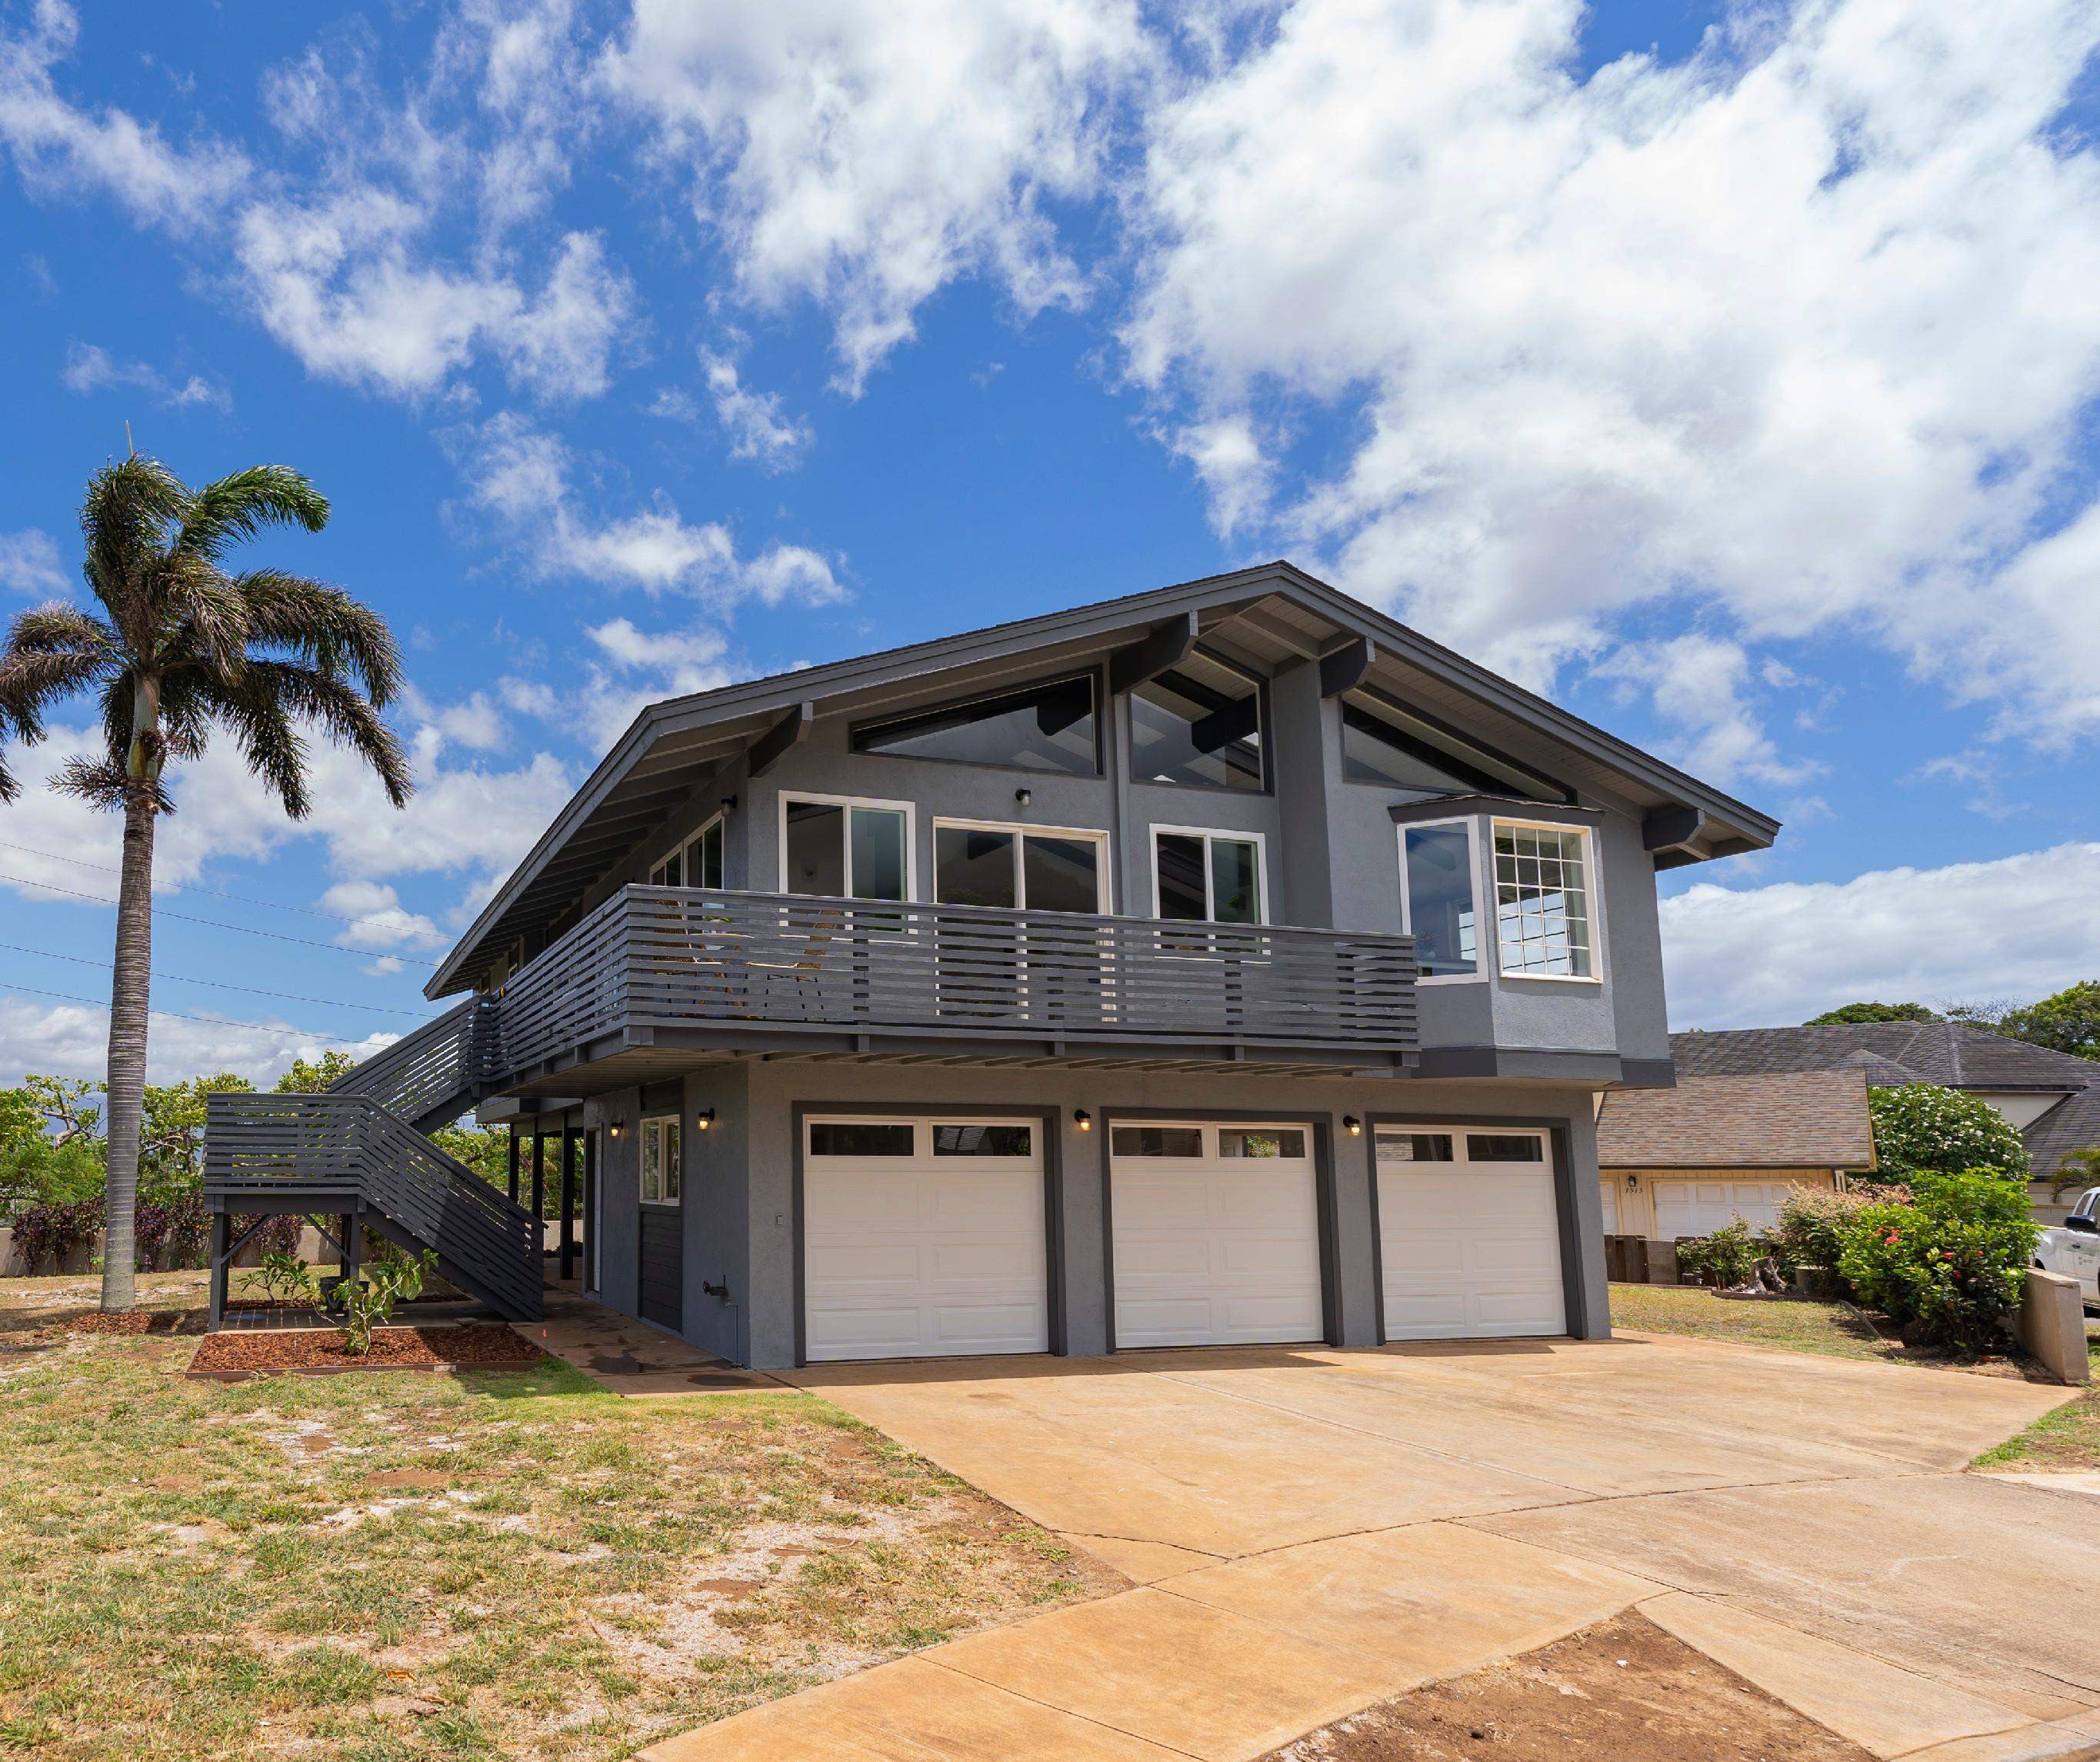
183 647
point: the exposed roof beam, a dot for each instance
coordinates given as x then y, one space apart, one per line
1257 616
790 730
1344 669
1163 646
1671 828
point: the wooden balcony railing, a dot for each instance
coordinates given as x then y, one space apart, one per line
666 958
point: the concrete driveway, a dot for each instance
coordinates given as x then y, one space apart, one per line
1310 1531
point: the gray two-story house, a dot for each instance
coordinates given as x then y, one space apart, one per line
1225 964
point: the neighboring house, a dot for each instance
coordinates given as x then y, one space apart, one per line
941 1002
1684 1162
2052 1098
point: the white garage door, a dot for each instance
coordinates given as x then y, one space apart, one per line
1469 1233
1216 1235
1699 1207
923 1238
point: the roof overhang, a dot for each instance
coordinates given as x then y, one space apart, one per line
1271 613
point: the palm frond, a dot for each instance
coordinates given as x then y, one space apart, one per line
34 678
129 507
313 622
210 617
337 708
235 507
102 783
261 724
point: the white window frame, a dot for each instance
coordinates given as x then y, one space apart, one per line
1260 841
684 851
909 810
1472 822
666 1201
1593 897
1096 834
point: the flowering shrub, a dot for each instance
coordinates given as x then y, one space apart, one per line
1923 1126
1948 1266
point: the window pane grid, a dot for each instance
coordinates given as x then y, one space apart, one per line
1541 903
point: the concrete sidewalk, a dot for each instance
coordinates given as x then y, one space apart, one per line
1310 1531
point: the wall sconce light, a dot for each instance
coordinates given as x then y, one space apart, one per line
1353 1126
1022 797
1633 1180
614 1128
704 1119
1083 1119
728 806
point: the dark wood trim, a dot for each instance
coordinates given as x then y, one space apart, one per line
791 730
1343 669
1668 828
1165 645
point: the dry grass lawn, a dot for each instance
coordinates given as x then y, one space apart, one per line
394 1566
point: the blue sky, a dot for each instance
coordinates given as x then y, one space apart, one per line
1729 376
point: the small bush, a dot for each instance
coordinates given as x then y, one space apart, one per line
173 1225
1948 1267
1725 1258
55 1231
368 1300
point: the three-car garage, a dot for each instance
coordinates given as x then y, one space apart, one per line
932 1236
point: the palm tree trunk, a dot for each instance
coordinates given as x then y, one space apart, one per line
128 1000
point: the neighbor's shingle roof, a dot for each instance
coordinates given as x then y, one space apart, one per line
2072 1123
1789 1119
1890 1052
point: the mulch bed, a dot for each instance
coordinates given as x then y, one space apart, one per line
311 1352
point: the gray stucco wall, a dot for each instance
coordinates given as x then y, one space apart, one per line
619 1176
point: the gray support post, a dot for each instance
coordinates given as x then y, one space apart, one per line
591 1207
353 1246
514 1167
221 1252
539 1189
568 1251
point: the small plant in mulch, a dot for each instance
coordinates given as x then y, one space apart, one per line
284 1279
367 1301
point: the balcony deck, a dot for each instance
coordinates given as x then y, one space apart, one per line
665 969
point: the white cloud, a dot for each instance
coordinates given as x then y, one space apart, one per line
60 147
757 428
382 921
864 156
29 562
90 368
385 967
1230 464
1702 685
73 1040
1797 332
1752 956
519 475
339 282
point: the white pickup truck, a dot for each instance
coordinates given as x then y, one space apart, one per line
2073 1248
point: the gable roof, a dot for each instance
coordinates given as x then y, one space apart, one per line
1272 613
1890 1053
2072 1123
1791 1120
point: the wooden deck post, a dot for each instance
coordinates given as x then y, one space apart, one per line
568 1249
221 1252
539 1207
514 1167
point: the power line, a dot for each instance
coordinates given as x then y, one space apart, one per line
217 984
213 923
188 886
213 1021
